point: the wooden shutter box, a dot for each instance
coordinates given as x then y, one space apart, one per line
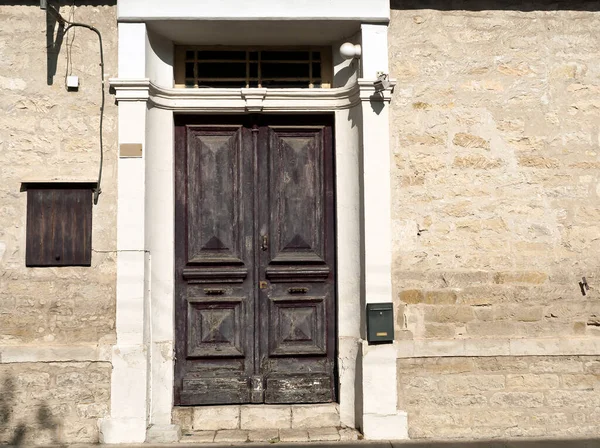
59 225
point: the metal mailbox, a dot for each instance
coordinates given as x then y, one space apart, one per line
380 322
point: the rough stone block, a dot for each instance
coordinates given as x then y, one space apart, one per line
330 434
184 417
263 435
470 141
209 418
293 435
573 399
518 399
441 297
472 383
266 417
476 161
231 436
449 314
532 382
163 434
199 437
532 277
412 296
556 365
315 416
348 434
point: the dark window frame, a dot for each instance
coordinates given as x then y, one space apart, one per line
314 67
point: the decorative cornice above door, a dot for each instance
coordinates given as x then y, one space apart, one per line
249 100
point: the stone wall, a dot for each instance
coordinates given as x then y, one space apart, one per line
51 403
532 396
58 314
496 178
496 199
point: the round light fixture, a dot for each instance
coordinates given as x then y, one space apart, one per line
349 50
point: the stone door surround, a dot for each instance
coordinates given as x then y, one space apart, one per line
142 379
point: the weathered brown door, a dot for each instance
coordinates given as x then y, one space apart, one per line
255 260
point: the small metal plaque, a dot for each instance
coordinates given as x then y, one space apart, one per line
130 150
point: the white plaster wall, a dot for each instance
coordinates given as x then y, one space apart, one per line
160 235
160 244
347 153
367 11
159 60
345 71
127 422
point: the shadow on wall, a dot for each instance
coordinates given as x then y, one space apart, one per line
55 32
541 443
13 430
509 5
61 2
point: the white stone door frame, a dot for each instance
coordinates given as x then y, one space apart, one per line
142 379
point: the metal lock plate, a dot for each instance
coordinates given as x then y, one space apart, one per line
263 284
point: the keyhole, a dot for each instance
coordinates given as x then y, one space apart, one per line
57 257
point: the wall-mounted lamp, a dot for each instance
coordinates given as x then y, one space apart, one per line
349 50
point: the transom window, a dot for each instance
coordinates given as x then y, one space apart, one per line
201 67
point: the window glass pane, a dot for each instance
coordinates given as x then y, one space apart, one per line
222 84
316 69
189 69
277 70
253 70
222 70
221 55
189 55
285 56
285 84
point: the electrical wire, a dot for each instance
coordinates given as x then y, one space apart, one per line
69 69
70 25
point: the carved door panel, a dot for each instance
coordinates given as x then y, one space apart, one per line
255 260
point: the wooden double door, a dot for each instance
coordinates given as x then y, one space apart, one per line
255 260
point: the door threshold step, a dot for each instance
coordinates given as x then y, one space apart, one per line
225 436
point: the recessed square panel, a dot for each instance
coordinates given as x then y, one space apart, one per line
298 327
215 328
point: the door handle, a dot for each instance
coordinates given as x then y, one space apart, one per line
265 243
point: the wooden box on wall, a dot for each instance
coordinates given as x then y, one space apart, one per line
59 224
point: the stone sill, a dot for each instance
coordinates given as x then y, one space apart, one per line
55 353
423 348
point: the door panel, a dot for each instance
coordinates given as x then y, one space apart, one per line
214 309
296 195
298 360
215 327
255 260
215 201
